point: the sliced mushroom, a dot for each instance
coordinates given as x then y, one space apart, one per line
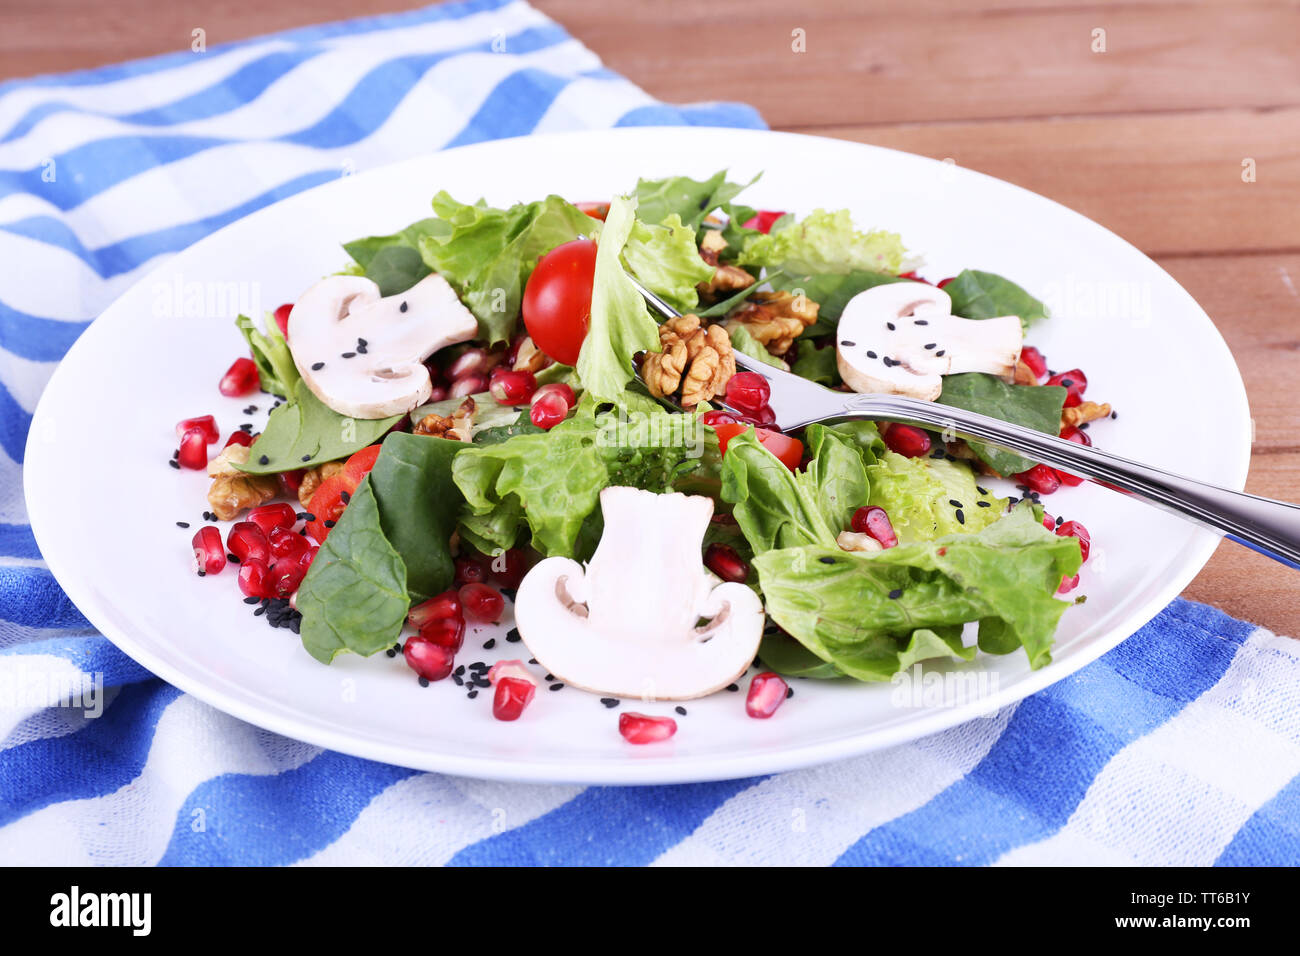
361 354
644 618
902 338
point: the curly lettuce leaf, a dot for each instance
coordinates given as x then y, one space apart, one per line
276 371
1033 406
871 615
918 494
824 242
667 261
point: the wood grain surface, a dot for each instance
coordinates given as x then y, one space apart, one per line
1147 137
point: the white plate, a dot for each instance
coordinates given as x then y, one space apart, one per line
104 503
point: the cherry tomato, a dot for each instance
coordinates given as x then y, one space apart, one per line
359 465
596 210
788 450
557 300
763 220
327 504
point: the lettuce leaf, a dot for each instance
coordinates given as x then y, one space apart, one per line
276 370
745 343
1034 406
824 242
689 199
919 493
871 615
620 324
667 261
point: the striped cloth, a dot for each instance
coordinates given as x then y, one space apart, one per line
1180 746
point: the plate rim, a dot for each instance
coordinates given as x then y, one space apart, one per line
668 769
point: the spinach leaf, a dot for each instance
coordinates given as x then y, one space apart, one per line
306 432
817 364
1033 406
275 369
354 596
418 506
392 262
983 295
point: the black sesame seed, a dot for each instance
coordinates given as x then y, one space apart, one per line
609 701
847 344
532 660
870 354
306 516
930 345
890 326
983 504
345 497
424 682
246 427
556 686
1114 414
477 666
390 652
921 322
176 453
789 692
251 600
182 524
362 343
402 307
361 350
895 594
472 694
955 503
1067 382
1083 426
347 355
550 677
318 366
458 680
398 647
232 558
264 460
259 612
733 687
961 518
983 491
328 523
827 560
681 710
306 457
490 643
512 636
481 681
250 409
175 464
1059 521
940 353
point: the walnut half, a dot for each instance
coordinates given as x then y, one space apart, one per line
234 492
775 318
697 358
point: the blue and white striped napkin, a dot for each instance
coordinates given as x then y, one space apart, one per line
1180 746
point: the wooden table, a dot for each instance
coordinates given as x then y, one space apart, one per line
1147 137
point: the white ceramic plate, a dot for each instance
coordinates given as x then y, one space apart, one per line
104 503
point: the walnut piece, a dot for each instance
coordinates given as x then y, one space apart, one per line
775 319
530 358
313 477
224 463
230 494
435 425
697 358
1024 374
1083 412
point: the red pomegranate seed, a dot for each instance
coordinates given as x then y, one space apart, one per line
1049 522
644 729
207 423
503 669
1079 437
286 544
469 571
1040 478
427 659
510 387
278 515
240 379
509 567
1068 584
1067 479
943 282
446 604
239 437
285 576
767 692
723 561
308 556
193 450
255 580
282 319
438 393
247 542
907 440
1075 384
511 697
470 362
448 632
470 384
209 553
763 220
1072 529
548 411
290 481
748 392
874 520
718 417
563 390
482 602
1034 359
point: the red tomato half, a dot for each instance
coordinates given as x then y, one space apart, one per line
359 465
557 300
788 450
596 210
327 504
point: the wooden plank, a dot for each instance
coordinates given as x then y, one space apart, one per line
1170 183
874 62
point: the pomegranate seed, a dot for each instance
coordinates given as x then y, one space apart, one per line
247 542
239 437
308 556
512 353
767 692
718 417
282 319
438 393
291 481
286 544
1067 479
548 411
482 602
1075 384
564 391
240 379
510 387
207 423
875 521
1034 359
428 659
469 571
255 580
1079 437
448 632
473 362
193 450
1041 479
503 669
509 567
644 729
1068 584
1072 529
511 697
748 392
278 515
763 220
943 282
906 440
446 604
209 554
723 561
285 576
1049 522
470 384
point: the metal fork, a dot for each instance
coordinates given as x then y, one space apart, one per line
1268 526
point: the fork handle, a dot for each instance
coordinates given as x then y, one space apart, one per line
1268 526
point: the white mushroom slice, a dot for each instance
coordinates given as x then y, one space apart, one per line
902 338
643 619
361 354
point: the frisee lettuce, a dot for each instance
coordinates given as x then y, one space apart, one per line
824 242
